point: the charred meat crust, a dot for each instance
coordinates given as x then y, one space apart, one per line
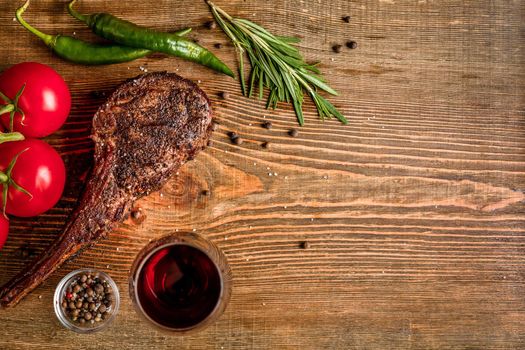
145 131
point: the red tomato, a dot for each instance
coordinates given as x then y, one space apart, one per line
39 170
45 101
4 229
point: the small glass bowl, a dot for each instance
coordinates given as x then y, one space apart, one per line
60 294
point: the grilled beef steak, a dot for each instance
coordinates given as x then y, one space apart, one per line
146 130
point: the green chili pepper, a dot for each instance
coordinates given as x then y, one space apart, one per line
130 34
82 52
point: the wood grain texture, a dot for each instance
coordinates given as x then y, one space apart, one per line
414 211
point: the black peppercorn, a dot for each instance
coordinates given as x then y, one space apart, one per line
98 94
211 25
337 48
136 213
293 132
99 288
237 140
224 95
346 19
265 144
351 44
218 45
267 125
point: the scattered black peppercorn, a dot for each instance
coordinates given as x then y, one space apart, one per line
346 19
337 48
26 252
211 25
267 125
135 214
237 140
351 44
218 45
205 192
98 94
224 95
234 138
138 216
305 245
265 144
293 132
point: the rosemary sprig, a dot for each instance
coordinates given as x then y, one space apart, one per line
277 65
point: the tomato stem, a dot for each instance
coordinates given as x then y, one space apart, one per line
11 136
7 108
6 180
12 107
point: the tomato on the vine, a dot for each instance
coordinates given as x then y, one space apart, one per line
4 229
37 179
37 95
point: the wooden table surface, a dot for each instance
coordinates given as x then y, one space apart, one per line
414 212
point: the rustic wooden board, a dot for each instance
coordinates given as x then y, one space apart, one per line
414 212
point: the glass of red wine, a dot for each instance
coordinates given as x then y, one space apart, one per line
181 282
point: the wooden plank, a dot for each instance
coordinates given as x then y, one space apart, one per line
413 212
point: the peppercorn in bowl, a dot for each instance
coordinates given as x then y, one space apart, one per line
86 301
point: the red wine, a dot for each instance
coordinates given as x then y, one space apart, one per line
178 286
